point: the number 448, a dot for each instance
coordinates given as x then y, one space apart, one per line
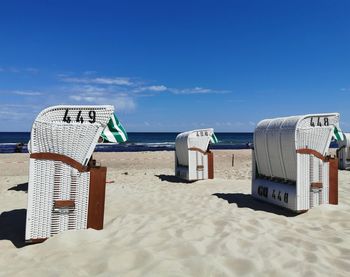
319 122
279 196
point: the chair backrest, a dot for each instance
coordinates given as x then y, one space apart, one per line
292 162
72 131
276 142
196 139
344 152
62 141
346 142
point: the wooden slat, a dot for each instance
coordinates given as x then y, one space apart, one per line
333 181
316 185
197 150
34 241
210 165
58 204
312 152
58 157
96 197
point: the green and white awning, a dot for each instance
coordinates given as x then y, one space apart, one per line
114 131
214 139
338 134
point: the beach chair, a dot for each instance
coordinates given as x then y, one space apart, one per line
66 190
193 160
292 165
344 152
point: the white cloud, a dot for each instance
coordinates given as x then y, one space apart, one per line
89 72
89 89
194 90
13 69
121 92
15 106
124 83
120 81
27 93
7 114
224 124
17 111
197 90
121 102
156 88
83 98
113 81
251 123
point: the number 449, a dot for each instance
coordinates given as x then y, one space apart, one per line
79 118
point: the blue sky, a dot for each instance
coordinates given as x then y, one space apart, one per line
175 65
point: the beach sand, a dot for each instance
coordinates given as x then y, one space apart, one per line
156 225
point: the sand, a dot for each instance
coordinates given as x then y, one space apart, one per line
158 226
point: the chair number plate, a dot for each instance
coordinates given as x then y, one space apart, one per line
319 121
68 118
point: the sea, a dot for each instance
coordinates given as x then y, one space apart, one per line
12 142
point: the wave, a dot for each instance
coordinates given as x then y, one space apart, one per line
126 147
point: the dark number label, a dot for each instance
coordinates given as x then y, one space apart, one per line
266 192
66 118
326 122
319 122
92 115
263 191
79 118
312 123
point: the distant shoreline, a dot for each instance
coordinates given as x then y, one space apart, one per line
137 142
7 148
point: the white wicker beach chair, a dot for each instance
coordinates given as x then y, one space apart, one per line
193 160
292 166
344 152
64 192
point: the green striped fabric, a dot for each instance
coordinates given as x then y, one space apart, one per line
114 131
214 139
338 134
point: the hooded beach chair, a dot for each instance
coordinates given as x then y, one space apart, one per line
193 160
344 152
292 165
66 190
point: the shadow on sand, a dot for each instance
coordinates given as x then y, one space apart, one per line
12 227
247 201
172 179
20 187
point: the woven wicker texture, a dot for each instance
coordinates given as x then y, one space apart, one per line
281 168
50 133
344 153
72 131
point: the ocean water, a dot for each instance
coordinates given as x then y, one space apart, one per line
17 142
